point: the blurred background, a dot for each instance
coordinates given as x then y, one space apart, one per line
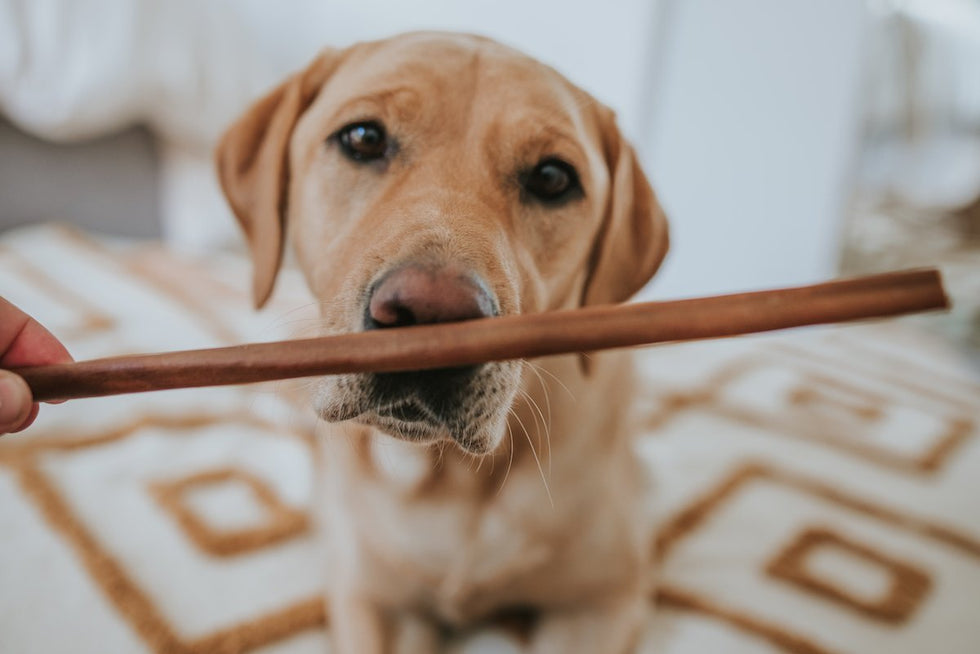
789 140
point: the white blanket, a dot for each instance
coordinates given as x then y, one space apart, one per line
818 489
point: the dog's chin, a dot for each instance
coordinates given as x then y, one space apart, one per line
407 420
411 421
476 425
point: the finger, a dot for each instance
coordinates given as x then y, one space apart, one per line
16 407
24 342
35 408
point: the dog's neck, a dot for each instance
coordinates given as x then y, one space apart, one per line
557 424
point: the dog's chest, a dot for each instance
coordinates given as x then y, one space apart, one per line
457 558
444 553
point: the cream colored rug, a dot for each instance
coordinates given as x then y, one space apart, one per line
820 490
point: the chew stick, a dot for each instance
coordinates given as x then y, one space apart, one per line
511 337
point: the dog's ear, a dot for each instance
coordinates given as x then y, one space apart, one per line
252 161
632 240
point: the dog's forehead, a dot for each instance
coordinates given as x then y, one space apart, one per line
462 68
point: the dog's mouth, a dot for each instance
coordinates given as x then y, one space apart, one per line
426 405
409 411
409 419
465 405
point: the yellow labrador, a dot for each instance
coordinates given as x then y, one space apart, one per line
436 177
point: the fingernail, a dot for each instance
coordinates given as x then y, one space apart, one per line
15 401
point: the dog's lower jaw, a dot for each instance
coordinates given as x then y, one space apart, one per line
477 426
477 440
414 432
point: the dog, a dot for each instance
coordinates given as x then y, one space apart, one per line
435 177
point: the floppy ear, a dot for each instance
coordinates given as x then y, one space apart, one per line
632 240
253 166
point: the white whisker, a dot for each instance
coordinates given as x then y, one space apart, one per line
510 461
557 379
547 425
536 413
537 461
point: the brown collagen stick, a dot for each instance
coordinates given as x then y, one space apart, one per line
510 337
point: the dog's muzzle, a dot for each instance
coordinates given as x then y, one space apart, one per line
431 404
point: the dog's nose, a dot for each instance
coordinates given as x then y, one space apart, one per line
418 295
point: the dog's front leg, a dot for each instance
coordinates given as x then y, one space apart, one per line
362 627
357 625
609 628
412 634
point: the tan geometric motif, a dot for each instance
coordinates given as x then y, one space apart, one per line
188 282
865 361
697 514
887 363
907 588
89 319
131 601
282 522
679 600
845 416
150 264
822 408
155 266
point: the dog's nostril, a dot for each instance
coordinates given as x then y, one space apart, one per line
414 295
391 313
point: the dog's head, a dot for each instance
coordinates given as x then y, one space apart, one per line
433 178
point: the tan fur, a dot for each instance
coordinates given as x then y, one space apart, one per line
545 508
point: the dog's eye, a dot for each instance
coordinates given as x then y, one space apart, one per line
363 141
551 180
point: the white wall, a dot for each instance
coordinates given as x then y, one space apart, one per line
752 141
602 46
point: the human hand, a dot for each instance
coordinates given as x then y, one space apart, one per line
23 342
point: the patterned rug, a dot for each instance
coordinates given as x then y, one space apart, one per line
818 489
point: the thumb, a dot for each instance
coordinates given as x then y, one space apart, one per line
15 402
